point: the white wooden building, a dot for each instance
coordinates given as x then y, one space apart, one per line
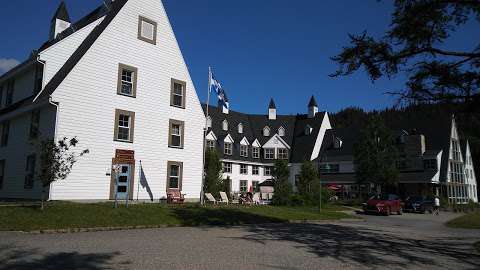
115 79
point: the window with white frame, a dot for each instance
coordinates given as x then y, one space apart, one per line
127 80
34 124
147 30
209 122
9 94
29 172
256 152
255 186
267 171
282 153
177 93
281 132
244 150
228 148
5 132
243 186
240 128
211 144
243 169
124 125
2 172
269 153
255 170
174 175
225 125
176 133
227 167
430 164
266 131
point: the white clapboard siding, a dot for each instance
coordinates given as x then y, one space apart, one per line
88 100
16 152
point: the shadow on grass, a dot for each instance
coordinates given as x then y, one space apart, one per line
194 216
15 258
368 247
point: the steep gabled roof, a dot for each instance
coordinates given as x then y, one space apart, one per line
253 124
61 13
313 102
435 129
58 78
272 104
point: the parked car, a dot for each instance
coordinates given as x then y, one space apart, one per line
419 204
383 204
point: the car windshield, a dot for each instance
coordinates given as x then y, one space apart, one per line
382 197
416 198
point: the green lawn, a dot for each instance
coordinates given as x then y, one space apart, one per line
63 215
468 221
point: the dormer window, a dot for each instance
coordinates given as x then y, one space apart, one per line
209 122
308 130
225 125
338 143
147 30
266 131
281 132
240 128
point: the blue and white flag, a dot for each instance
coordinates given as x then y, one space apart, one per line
217 87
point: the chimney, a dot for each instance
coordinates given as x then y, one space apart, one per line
272 110
60 21
312 107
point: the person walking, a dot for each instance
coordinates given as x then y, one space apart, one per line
436 206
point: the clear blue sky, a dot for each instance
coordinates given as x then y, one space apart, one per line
258 49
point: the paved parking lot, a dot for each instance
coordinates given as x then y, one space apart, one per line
411 241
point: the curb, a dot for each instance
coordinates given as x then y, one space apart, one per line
126 228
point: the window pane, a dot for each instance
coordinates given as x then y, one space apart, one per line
147 30
175 129
123 120
122 179
177 100
174 170
173 183
175 140
123 133
177 89
126 88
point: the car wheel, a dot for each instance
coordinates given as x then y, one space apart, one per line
422 210
400 211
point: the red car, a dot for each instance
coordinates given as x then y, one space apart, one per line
383 204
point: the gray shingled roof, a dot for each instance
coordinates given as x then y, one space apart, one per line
435 129
301 145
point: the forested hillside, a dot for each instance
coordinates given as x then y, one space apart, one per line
468 120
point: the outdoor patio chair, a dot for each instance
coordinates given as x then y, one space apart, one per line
256 198
174 196
224 197
210 198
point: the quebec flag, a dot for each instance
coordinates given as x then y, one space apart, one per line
217 87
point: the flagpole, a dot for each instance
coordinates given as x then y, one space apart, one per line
202 200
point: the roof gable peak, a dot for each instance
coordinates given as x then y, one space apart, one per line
62 13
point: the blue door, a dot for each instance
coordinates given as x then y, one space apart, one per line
123 181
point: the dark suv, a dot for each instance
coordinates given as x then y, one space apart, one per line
419 204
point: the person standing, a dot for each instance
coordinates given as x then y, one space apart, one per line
436 206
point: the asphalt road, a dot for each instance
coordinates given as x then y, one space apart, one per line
411 241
